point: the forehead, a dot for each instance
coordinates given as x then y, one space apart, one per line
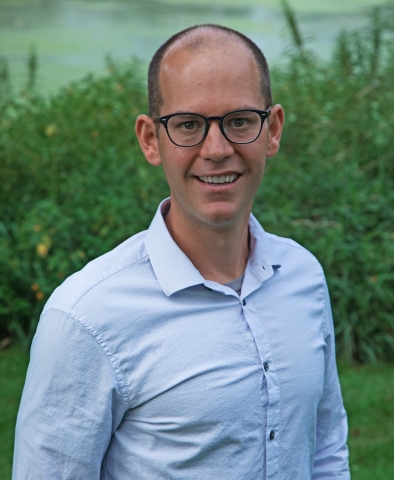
215 71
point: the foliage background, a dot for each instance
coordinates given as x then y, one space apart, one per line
74 183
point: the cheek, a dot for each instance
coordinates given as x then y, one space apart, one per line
176 161
174 169
258 158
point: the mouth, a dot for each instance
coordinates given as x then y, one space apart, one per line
219 179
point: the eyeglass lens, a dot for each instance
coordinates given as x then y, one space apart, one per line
239 127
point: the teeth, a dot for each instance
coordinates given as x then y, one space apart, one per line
217 180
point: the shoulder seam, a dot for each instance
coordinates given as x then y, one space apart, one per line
324 300
107 351
288 241
291 243
105 278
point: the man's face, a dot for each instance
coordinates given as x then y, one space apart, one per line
212 82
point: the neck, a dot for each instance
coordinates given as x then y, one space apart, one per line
220 253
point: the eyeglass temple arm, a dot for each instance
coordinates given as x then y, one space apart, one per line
158 119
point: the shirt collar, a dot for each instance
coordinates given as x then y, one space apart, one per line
263 257
173 269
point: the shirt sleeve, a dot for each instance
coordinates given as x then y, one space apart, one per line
72 402
331 456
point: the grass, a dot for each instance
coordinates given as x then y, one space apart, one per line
368 393
13 364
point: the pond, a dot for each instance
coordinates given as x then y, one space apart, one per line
72 37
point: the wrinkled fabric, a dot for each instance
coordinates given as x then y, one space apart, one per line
142 369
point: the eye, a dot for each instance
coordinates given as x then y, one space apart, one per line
239 122
242 120
189 125
186 123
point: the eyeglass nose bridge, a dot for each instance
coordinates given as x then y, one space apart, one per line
208 125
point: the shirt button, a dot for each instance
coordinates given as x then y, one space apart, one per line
272 435
243 302
266 366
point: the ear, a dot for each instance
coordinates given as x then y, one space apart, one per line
277 120
145 129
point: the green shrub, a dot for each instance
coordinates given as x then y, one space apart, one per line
75 184
332 185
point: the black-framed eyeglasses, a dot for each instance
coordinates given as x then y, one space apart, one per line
189 129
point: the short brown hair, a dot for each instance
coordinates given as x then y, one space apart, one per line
154 95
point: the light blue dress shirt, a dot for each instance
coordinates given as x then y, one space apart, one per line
142 369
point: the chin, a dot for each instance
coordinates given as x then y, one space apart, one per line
222 217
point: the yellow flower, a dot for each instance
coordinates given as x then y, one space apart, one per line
50 130
39 295
37 228
35 287
42 250
44 246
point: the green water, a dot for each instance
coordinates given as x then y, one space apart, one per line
73 37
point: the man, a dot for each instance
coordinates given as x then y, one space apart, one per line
202 348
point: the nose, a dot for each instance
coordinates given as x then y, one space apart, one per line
215 146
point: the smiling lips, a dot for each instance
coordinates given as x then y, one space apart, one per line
217 180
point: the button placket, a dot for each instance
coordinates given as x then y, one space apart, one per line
257 327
